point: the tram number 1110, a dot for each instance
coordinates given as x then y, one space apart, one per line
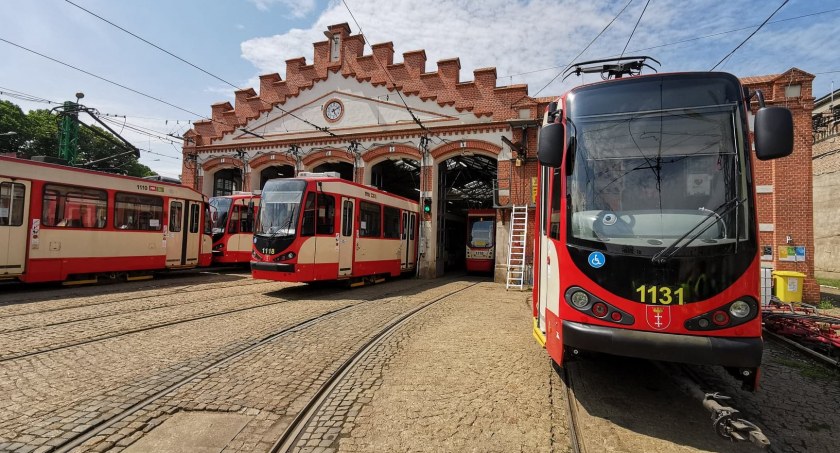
662 295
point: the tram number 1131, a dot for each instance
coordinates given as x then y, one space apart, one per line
662 295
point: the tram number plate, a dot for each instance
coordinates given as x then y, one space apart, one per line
660 295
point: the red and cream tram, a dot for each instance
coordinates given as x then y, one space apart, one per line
318 227
233 218
60 223
481 240
646 242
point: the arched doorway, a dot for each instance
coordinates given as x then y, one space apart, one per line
227 181
274 172
344 169
465 181
397 175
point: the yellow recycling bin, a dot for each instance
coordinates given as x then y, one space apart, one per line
788 285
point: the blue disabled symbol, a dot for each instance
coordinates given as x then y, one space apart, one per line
597 259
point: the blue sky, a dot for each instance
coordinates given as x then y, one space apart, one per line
237 40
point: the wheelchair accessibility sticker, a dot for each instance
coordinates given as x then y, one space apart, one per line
597 259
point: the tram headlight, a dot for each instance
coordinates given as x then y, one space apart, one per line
739 309
285 256
580 299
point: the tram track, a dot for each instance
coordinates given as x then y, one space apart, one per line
124 300
206 370
575 434
291 435
806 351
309 293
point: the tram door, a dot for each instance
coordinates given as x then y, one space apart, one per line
14 226
192 234
176 241
347 237
408 240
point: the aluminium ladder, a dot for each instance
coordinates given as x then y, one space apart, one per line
516 247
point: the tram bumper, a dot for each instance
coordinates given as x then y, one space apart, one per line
697 350
272 267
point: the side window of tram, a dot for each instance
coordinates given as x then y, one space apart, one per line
194 218
326 214
74 207
176 213
208 221
138 212
11 203
371 218
556 199
308 226
234 220
392 223
347 219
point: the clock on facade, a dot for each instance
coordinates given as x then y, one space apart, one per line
333 110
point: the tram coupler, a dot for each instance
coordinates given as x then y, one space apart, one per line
727 422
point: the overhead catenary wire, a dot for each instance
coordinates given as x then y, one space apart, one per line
584 50
388 74
320 128
153 45
634 29
696 38
751 35
55 60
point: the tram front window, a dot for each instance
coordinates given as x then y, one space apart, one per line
219 209
280 207
646 178
481 233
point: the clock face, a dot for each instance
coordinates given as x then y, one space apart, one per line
333 110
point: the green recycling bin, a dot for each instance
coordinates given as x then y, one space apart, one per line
788 285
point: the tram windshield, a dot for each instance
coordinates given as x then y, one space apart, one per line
280 207
219 209
646 173
481 232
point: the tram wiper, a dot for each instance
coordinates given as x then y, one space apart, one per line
665 254
287 225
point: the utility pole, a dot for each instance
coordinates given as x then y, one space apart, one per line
68 146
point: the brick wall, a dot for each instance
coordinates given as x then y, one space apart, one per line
785 198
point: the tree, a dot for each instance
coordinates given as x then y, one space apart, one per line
38 135
12 119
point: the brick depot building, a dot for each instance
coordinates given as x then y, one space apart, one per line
362 100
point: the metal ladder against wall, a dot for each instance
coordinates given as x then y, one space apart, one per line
516 247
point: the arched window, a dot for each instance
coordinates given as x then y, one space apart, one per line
225 182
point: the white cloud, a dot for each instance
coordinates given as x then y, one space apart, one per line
531 41
297 8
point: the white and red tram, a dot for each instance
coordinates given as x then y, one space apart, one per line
319 227
481 240
60 223
233 218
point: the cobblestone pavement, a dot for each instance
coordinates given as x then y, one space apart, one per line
463 375
274 382
797 404
50 397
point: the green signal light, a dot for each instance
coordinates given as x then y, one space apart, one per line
427 205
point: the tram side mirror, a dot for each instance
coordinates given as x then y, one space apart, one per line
773 133
551 141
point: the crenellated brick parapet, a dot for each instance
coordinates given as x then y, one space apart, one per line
480 96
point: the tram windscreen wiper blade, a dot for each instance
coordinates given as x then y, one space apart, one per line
666 253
